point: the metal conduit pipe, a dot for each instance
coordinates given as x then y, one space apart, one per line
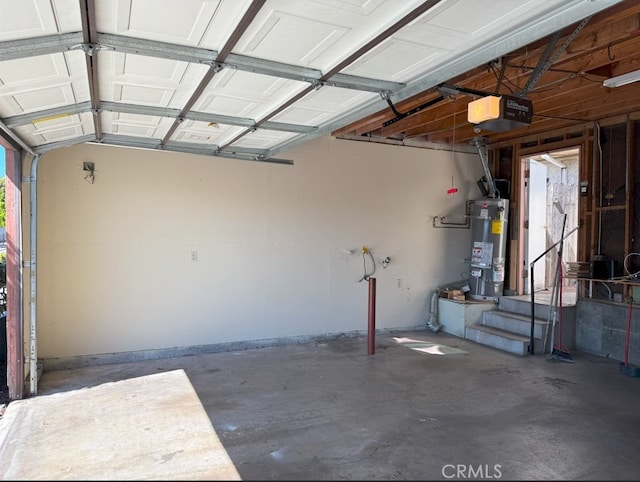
595 186
33 238
479 142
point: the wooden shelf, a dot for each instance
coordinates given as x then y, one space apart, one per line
628 287
615 281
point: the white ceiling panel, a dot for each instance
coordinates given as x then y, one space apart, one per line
318 34
139 79
229 105
52 96
43 82
450 28
246 94
260 86
263 139
138 18
34 70
269 42
135 124
35 18
206 133
57 129
254 77
204 23
397 60
469 18
361 7
322 106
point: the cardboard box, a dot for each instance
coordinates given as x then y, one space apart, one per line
452 295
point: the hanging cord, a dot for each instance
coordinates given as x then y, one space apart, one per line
629 273
453 141
366 276
453 189
90 177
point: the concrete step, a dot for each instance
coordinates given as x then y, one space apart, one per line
515 323
501 339
523 307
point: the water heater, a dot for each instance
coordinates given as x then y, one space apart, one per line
488 247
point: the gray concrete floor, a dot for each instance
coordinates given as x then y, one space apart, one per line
329 411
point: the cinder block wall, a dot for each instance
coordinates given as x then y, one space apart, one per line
601 329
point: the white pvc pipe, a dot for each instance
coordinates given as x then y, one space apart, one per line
33 352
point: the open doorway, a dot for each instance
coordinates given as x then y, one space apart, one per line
551 190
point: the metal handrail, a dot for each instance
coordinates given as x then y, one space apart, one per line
533 314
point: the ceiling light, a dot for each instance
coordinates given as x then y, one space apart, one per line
549 158
483 109
622 79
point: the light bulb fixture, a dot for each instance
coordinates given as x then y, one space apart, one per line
500 113
483 109
621 80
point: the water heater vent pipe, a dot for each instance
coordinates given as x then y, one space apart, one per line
479 142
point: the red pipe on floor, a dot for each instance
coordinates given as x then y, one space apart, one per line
371 336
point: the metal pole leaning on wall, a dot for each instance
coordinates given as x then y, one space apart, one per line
533 302
533 312
371 337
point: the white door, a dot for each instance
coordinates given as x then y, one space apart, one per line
537 225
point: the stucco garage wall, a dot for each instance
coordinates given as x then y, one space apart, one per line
116 268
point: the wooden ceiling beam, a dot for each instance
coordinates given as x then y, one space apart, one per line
571 87
590 109
604 28
629 58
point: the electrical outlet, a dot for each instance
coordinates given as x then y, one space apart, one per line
194 256
398 283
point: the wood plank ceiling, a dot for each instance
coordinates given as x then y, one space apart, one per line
250 79
561 74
